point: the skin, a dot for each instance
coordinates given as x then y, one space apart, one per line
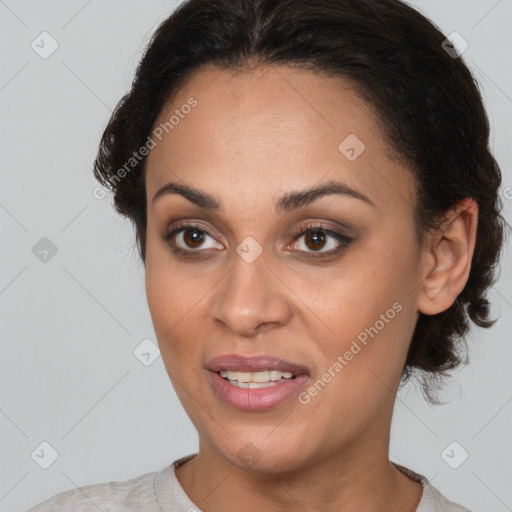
253 137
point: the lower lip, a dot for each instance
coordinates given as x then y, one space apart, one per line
259 399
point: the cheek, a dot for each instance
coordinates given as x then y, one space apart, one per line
170 295
382 271
169 304
177 314
351 299
370 312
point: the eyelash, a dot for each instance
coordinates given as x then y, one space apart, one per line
301 231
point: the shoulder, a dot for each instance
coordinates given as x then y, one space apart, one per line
129 495
434 501
85 499
431 500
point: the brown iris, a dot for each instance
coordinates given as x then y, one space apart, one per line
195 240
318 239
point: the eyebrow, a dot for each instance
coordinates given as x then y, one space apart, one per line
288 202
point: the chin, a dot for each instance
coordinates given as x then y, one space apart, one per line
264 455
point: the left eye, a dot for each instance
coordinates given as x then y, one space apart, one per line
316 238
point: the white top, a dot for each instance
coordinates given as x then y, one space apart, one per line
160 491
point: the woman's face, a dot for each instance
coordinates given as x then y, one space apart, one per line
340 301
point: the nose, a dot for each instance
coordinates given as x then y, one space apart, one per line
250 299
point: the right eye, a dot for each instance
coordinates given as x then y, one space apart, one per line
188 239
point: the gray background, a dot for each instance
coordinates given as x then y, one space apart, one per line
70 324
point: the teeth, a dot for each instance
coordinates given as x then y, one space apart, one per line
252 385
255 377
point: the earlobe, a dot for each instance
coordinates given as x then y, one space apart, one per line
450 254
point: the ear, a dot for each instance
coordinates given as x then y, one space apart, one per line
448 256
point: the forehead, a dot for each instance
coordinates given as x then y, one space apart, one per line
271 129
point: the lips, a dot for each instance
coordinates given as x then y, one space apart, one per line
256 400
236 362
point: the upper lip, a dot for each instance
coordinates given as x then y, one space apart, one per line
238 362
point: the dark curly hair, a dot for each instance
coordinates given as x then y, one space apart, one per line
427 101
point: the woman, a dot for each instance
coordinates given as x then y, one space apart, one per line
317 211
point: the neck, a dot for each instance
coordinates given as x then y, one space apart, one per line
345 479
